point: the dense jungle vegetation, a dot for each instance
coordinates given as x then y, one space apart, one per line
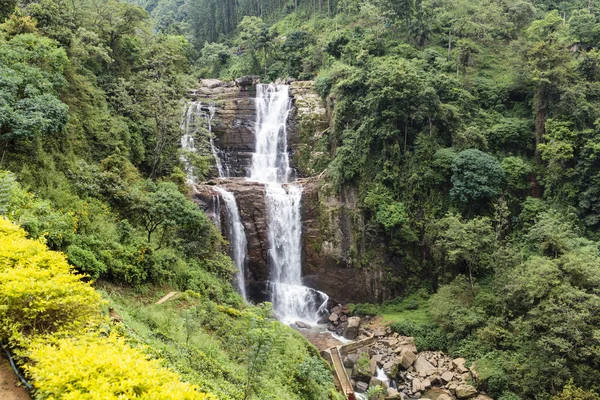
470 128
471 131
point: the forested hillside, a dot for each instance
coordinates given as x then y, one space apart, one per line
470 129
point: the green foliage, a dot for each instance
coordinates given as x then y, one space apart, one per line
31 69
427 336
476 176
232 350
572 392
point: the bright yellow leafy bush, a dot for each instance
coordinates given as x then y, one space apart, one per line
103 368
39 293
53 320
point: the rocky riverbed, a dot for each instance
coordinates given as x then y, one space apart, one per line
410 374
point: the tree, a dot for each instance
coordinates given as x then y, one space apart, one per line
470 242
548 60
475 176
6 8
31 74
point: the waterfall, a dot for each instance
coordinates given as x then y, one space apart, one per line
237 235
270 161
190 126
235 228
270 165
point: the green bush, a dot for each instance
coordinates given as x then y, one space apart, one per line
85 261
427 336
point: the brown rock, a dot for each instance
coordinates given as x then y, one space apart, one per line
447 376
422 365
459 365
393 394
417 386
333 317
465 391
407 358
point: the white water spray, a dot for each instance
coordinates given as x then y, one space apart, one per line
192 120
235 229
237 235
270 165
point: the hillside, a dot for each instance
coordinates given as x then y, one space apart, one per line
439 167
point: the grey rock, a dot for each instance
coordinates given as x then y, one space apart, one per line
350 360
351 331
302 325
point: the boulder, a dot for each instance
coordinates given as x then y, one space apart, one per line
247 80
444 396
376 382
474 373
362 387
362 370
422 365
350 360
333 317
337 309
393 394
374 362
426 383
391 367
407 358
302 325
351 331
211 83
417 386
447 376
465 391
459 365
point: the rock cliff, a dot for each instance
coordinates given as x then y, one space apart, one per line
343 254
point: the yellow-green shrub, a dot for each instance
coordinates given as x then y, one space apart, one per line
102 368
53 320
39 294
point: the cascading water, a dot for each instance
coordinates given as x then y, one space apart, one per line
270 165
235 228
236 232
190 127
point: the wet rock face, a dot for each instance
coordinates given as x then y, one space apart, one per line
250 198
335 237
233 122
